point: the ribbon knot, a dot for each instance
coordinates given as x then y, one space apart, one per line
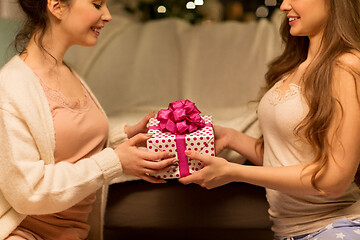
181 117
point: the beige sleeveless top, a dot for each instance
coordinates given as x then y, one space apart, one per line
295 215
80 131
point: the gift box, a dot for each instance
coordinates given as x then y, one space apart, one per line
180 128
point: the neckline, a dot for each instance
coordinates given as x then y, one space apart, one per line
56 95
64 101
278 96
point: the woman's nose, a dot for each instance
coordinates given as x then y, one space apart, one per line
285 6
106 17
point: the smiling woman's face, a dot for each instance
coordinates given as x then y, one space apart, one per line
82 21
306 17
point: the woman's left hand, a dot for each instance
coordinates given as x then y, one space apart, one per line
140 127
223 136
215 173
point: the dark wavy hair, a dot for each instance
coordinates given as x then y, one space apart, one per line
341 35
37 22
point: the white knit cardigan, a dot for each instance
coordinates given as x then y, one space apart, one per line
30 181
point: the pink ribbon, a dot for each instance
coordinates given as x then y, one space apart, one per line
181 117
183 159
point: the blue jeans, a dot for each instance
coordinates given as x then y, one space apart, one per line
343 229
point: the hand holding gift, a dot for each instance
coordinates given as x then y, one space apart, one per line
180 128
143 163
216 171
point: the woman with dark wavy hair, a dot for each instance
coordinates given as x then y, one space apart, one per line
55 154
309 154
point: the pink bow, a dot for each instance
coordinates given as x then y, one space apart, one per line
181 117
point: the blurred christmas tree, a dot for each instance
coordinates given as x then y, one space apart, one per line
151 9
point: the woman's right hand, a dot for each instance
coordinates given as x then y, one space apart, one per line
216 171
141 163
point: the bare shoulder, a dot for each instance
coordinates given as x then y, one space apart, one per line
346 78
350 61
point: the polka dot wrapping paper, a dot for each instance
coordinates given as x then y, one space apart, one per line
201 141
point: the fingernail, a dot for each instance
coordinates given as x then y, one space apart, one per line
175 162
173 168
187 152
149 135
170 155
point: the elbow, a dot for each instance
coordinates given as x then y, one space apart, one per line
32 205
334 184
26 207
332 192
335 189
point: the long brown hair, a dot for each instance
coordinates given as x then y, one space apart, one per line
341 35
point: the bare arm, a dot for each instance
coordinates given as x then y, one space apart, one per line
218 171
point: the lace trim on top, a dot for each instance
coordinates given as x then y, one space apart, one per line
276 97
62 100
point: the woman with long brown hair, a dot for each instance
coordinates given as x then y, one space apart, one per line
309 154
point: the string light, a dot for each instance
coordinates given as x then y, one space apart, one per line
199 2
271 3
190 5
161 9
262 12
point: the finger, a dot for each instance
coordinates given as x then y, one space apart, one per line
197 156
156 156
160 165
197 179
188 179
152 179
146 119
150 115
138 138
168 168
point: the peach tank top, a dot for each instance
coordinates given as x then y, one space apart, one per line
81 130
